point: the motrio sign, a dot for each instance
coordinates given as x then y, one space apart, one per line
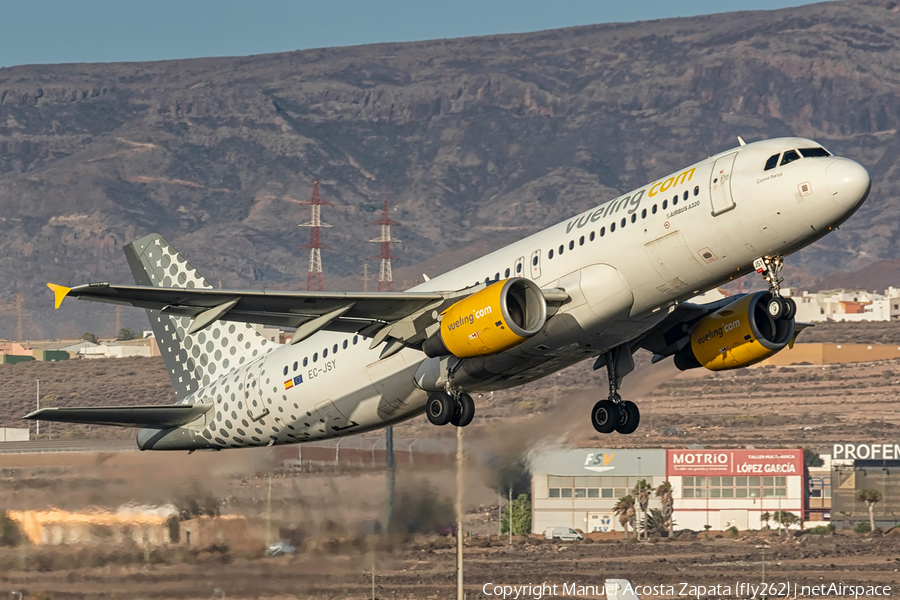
734 462
865 452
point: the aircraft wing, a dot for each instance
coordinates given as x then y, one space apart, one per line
124 416
408 317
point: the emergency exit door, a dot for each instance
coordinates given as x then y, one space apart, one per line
720 185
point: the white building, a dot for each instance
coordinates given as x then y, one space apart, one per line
579 488
847 305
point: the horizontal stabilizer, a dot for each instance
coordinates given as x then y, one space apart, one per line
124 416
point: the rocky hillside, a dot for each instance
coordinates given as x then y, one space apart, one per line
473 141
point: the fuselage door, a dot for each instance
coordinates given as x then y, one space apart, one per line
535 264
253 391
519 270
720 185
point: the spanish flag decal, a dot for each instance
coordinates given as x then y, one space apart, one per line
292 382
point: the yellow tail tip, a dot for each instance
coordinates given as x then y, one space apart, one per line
59 292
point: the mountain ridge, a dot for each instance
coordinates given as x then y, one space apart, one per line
475 142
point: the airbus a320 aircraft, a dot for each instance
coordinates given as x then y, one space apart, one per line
600 285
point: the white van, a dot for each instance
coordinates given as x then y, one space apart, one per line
566 534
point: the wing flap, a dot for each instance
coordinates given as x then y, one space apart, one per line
124 416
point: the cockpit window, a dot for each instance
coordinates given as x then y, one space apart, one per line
772 162
814 152
789 157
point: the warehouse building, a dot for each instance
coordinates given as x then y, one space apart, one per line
579 488
719 488
735 488
860 466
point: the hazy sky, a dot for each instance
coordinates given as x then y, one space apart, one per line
55 31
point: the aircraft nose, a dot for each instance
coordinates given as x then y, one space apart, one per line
848 181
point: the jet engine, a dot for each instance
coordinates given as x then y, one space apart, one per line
738 335
490 321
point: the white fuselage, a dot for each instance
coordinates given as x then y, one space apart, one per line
624 264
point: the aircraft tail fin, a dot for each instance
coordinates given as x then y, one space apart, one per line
192 359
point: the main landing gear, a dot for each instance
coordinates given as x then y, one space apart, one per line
778 306
448 407
614 414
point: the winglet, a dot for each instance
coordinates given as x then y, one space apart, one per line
59 291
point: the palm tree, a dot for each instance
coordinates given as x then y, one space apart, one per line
871 498
624 509
765 517
667 500
641 492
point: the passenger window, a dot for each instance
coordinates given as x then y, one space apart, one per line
697 191
325 353
571 244
665 204
612 227
592 236
344 345
789 157
354 343
315 356
295 365
623 222
519 266
633 217
497 276
644 214
772 162
685 196
561 248
653 210
602 231
334 349
675 201
550 254
814 152
286 369
507 272
305 361
581 241
534 261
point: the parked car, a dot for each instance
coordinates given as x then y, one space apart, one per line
566 534
279 549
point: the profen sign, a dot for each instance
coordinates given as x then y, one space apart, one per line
734 462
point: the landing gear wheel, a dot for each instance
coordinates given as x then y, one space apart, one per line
465 411
605 416
440 408
790 308
776 308
629 418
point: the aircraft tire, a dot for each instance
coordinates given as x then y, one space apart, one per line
440 408
605 416
465 411
790 308
631 417
775 308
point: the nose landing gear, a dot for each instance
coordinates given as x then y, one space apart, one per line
778 306
445 407
614 414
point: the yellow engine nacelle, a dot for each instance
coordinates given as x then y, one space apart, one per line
738 335
495 319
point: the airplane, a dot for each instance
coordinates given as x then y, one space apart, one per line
602 284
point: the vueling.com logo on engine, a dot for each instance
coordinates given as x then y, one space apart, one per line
718 332
469 319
